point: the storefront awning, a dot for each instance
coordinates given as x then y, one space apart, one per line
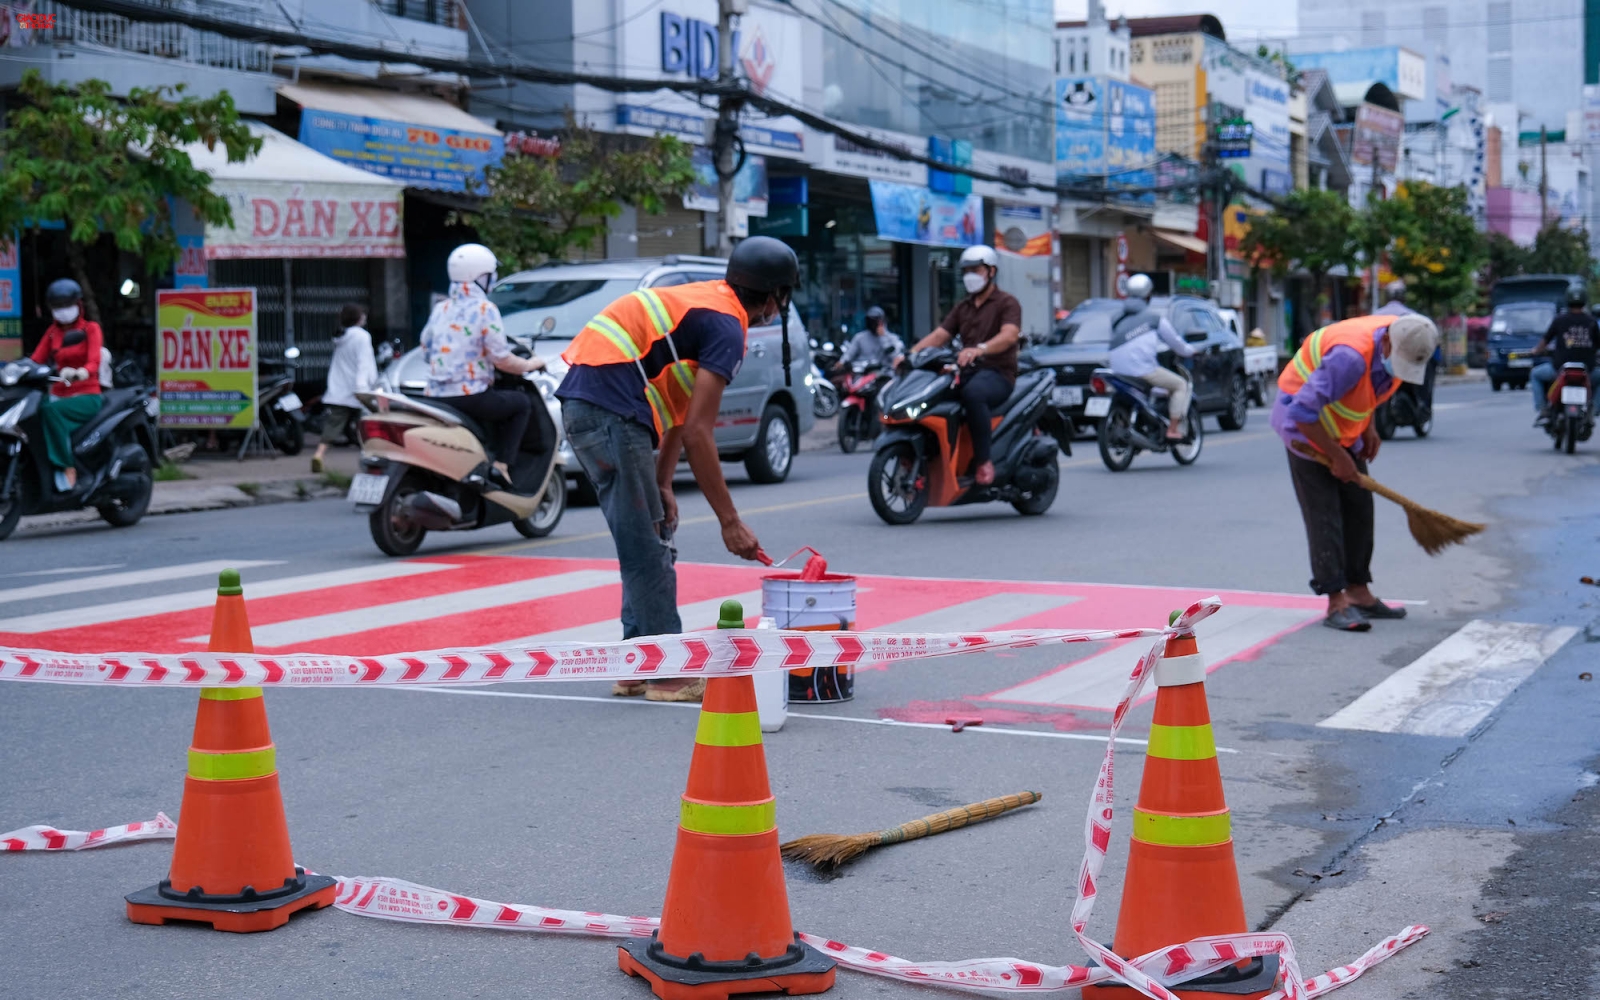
1182 241
291 201
418 139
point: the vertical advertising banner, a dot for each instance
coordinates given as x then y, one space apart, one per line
10 301
206 357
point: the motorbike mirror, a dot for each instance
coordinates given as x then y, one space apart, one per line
291 353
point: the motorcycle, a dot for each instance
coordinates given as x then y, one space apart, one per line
1410 406
924 449
1569 417
824 394
858 414
281 413
425 467
114 452
1135 419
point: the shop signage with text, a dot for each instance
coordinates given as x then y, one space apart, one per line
308 220
10 301
421 156
207 357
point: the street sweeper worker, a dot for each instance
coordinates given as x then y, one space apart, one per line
1323 413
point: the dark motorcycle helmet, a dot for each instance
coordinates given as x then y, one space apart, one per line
63 292
1577 297
764 264
874 315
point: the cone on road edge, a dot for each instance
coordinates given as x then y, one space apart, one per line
1182 882
725 925
232 866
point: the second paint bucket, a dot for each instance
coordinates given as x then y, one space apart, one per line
825 603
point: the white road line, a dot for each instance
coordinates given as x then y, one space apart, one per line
1098 682
989 612
132 578
188 600
63 571
699 614
297 630
1456 684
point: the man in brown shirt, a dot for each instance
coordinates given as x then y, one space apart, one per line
989 323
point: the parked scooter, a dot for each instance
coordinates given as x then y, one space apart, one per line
923 456
824 393
281 413
1569 417
114 452
858 414
1135 419
1410 406
425 468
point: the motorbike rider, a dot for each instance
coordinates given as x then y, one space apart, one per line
989 323
650 370
874 345
464 343
1136 340
73 345
1573 336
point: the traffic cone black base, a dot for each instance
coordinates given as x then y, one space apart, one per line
800 971
245 913
1255 977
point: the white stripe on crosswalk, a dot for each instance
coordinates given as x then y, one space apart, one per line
65 570
989 612
297 630
1098 682
189 600
132 578
1456 684
698 615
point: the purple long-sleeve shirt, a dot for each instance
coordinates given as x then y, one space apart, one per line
1338 374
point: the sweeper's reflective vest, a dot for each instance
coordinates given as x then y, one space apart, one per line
1344 419
633 328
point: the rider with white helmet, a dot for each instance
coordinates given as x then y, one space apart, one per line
1136 341
989 323
465 344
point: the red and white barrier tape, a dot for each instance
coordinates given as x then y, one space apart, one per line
394 899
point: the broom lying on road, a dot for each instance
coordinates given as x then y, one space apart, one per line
1433 530
830 850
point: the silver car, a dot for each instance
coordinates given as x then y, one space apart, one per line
761 419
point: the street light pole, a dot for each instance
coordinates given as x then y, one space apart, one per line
727 152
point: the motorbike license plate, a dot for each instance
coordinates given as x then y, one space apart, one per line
1097 406
1516 362
289 401
1574 395
368 488
1066 395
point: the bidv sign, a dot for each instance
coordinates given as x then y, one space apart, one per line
689 46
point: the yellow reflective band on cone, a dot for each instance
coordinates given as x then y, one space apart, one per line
728 729
229 694
1182 742
732 821
232 766
1182 831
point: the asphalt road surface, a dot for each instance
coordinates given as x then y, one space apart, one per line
1435 770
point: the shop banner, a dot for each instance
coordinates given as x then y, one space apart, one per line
749 185
1105 128
291 219
10 301
1377 133
911 214
422 156
206 357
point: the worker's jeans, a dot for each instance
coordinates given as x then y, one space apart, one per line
617 455
1176 385
1338 517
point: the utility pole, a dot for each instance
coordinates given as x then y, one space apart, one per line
1371 193
1544 176
726 149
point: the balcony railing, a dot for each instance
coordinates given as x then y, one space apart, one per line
442 12
166 41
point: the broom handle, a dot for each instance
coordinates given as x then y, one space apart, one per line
1366 482
954 819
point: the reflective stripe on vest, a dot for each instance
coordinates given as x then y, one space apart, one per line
1346 418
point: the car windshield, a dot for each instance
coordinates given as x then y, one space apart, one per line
542 309
1524 317
1089 324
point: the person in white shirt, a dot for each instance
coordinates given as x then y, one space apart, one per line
1136 341
352 370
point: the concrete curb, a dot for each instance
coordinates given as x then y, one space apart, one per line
187 496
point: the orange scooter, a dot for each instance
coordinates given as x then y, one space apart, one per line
923 456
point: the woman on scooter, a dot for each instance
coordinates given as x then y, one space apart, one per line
72 344
465 344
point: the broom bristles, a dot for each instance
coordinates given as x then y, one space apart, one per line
1432 529
829 850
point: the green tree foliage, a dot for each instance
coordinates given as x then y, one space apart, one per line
77 155
539 208
1432 244
1557 250
1310 228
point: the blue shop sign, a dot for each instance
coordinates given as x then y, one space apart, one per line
693 127
419 155
911 214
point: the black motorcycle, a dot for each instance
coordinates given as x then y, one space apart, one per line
114 452
1135 419
1410 406
279 411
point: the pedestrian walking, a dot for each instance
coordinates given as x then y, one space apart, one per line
1323 413
646 376
352 370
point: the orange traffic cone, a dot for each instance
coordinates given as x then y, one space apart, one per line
725 926
231 867
1182 882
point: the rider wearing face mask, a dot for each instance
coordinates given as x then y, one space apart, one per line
989 323
72 344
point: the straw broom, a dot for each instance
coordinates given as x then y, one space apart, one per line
830 850
1432 529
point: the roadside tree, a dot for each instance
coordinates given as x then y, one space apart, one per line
75 154
1310 228
1431 242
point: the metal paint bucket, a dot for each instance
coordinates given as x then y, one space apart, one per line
813 602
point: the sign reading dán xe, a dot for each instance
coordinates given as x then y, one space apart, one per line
421 156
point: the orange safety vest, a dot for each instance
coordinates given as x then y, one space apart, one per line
628 329
1346 418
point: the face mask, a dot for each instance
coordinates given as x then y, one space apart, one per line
65 315
1388 365
974 282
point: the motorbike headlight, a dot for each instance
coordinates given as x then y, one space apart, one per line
9 419
810 380
10 374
